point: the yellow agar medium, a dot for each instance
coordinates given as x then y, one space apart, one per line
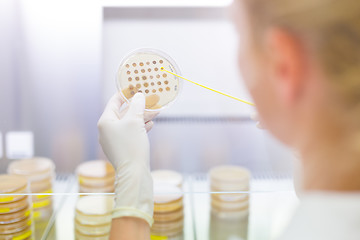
208 88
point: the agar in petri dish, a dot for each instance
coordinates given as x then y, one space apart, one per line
156 97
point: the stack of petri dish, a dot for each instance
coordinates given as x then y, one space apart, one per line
40 172
168 205
93 216
96 176
228 182
15 210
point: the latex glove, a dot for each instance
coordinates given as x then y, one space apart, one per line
124 140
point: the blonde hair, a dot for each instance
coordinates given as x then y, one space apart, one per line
332 30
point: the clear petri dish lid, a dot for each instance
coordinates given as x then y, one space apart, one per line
35 169
95 169
170 177
141 71
12 184
229 174
95 205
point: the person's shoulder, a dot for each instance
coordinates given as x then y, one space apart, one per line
325 215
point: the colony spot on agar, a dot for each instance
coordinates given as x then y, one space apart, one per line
137 78
164 75
131 87
154 90
129 79
151 77
134 64
152 83
154 62
161 61
144 77
141 64
138 85
147 63
136 71
159 83
160 89
147 90
127 65
128 72
166 82
146 84
149 70
158 76
167 89
156 69
142 70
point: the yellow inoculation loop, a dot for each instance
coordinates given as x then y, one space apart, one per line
208 88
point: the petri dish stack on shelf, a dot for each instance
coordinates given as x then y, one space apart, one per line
15 210
93 216
168 205
97 176
40 172
230 180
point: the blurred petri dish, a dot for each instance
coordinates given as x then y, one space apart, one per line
80 236
16 226
228 174
20 235
95 169
141 71
168 216
99 229
230 197
161 177
168 226
94 207
167 198
104 189
15 216
35 169
12 184
15 206
228 206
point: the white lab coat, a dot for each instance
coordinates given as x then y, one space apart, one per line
325 216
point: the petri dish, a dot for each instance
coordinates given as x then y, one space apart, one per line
80 236
15 216
12 184
15 206
15 226
168 216
23 234
167 198
104 189
229 174
167 177
92 209
229 206
92 170
99 229
35 169
141 71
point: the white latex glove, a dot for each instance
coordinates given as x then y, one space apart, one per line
124 140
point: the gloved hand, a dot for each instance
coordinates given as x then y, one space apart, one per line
124 140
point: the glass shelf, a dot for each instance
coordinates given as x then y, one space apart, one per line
271 202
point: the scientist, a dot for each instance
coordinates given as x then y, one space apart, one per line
301 63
